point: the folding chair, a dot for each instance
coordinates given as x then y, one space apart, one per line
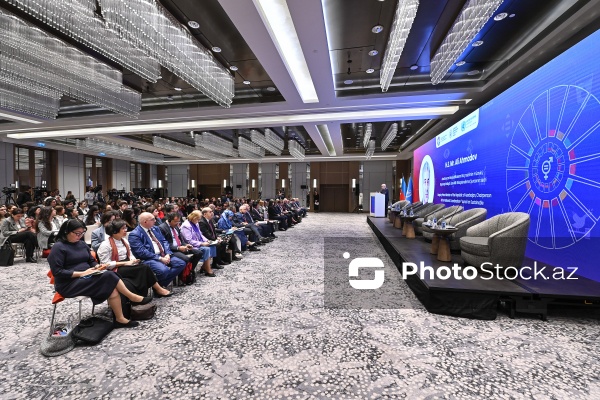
58 298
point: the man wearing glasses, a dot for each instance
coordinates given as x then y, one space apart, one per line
149 245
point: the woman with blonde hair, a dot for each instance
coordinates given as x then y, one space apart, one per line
190 230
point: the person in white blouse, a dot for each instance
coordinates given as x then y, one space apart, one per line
116 253
47 227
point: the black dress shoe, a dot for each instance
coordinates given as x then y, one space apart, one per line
253 248
130 324
30 260
145 300
217 266
223 262
210 275
158 296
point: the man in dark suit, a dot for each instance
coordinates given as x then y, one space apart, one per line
180 248
385 191
256 216
149 245
211 233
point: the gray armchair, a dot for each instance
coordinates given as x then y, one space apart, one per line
500 240
446 213
424 214
462 221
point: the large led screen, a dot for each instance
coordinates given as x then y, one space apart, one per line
536 149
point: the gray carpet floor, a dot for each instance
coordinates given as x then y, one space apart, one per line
260 330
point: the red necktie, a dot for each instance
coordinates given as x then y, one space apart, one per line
155 240
176 237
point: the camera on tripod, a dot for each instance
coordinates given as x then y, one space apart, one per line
9 190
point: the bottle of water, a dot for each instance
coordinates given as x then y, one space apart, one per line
443 224
412 214
434 221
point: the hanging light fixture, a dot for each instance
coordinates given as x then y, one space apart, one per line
370 150
247 149
270 141
467 25
406 10
118 150
216 144
389 136
36 69
368 131
296 150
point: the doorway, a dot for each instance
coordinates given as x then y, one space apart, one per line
334 198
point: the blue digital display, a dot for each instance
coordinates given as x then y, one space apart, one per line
535 148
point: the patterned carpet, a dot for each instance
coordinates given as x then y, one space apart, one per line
260 331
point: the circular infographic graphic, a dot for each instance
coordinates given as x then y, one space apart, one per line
553 166
426 180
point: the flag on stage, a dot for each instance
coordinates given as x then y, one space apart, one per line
409 189
402 189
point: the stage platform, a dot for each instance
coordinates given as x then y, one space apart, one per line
479 298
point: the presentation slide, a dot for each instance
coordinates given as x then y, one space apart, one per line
535 149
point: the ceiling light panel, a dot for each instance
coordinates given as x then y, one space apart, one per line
147 25
406 10
467 25
276 16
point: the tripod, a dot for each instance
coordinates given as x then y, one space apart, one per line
9 199
355 201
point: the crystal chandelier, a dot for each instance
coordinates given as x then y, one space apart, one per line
389 136
403 20
175 147
118 150
370 150
368 131
467 25
270 141
78 20
296 150
36 69
148 26
203 152
216 144
247 149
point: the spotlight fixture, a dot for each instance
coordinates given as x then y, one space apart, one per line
246 82
216 49
296 150
370 71
193 24
377 29
477 43
460 63
271 89
500 17
370 150
373 53
414 67
473 72
390 135
178 89
467 25
348 81
368 131
233 68
406 11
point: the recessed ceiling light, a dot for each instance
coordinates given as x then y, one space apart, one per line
233 68
414 67
193 24
460 63
370 71
348 138
377 28
500 17
246 82
178 89
216 49
271 89
348 81
512 15
473 72
169 97
477 43
159 77
373 53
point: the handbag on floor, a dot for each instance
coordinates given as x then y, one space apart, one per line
92 330
7 255
143 311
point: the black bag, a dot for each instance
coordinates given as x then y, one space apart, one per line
7 255
143 311
92 330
